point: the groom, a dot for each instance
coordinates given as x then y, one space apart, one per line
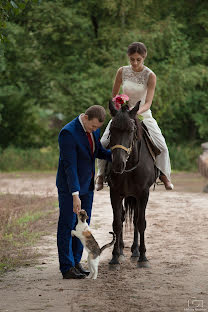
79 144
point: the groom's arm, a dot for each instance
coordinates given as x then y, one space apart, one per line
103 153
68 156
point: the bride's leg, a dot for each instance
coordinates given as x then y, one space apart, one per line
163 164
162 160
168 185
102 162
100 174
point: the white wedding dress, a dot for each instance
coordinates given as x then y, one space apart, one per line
134 84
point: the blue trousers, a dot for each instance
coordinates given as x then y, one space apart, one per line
70 248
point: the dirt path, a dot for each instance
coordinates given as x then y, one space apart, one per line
177 248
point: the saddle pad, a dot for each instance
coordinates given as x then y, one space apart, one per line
153 149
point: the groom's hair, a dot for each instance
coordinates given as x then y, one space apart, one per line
96 111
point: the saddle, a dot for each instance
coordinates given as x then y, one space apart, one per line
153 149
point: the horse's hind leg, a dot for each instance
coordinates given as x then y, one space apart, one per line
135 245
142 226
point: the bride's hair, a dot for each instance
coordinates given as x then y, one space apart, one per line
137 47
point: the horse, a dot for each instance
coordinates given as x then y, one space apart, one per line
131 175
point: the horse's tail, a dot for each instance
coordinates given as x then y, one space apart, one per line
110 244
129 206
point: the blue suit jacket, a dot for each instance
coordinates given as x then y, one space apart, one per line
76 162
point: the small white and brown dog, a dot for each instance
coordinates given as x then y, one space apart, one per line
82 231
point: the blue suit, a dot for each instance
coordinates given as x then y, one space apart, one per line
75 173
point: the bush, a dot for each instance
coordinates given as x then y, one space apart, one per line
14 159
184 157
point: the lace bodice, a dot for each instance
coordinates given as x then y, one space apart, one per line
135 86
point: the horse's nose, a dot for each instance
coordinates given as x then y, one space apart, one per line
118 167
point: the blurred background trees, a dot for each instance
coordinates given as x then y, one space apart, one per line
62 56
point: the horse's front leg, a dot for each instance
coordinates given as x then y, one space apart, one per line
142 227
116 203
121 242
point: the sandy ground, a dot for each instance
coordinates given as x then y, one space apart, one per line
177 249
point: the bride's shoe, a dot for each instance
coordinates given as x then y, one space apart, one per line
99 183
168 185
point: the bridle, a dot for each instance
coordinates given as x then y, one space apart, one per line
129 150
131 169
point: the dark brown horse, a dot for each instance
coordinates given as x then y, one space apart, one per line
131 175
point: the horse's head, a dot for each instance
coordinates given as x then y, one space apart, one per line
123 133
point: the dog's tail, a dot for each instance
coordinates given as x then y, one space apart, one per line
110 244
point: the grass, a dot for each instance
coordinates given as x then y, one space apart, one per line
24 219
183 157
15 159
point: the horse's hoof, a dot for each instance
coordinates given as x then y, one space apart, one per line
115 267
114 260
134 259
121 258
135 253
143 264
142 258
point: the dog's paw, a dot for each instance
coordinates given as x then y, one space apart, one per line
89 276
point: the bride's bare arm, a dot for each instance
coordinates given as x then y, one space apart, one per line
117 82
150 94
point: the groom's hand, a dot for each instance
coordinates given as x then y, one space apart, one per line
76 204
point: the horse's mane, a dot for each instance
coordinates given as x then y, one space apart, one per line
123 122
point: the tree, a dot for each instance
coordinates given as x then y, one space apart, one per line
62 57
10 8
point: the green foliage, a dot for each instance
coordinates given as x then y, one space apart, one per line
10 8
184 157
62 56
14 159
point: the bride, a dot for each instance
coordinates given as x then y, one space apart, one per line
138 82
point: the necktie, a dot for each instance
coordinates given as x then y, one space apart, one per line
90 141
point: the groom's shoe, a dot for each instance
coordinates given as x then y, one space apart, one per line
72 273
81 270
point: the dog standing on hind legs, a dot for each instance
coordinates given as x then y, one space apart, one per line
82 231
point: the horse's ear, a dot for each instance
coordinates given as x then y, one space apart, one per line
133 112
112 108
